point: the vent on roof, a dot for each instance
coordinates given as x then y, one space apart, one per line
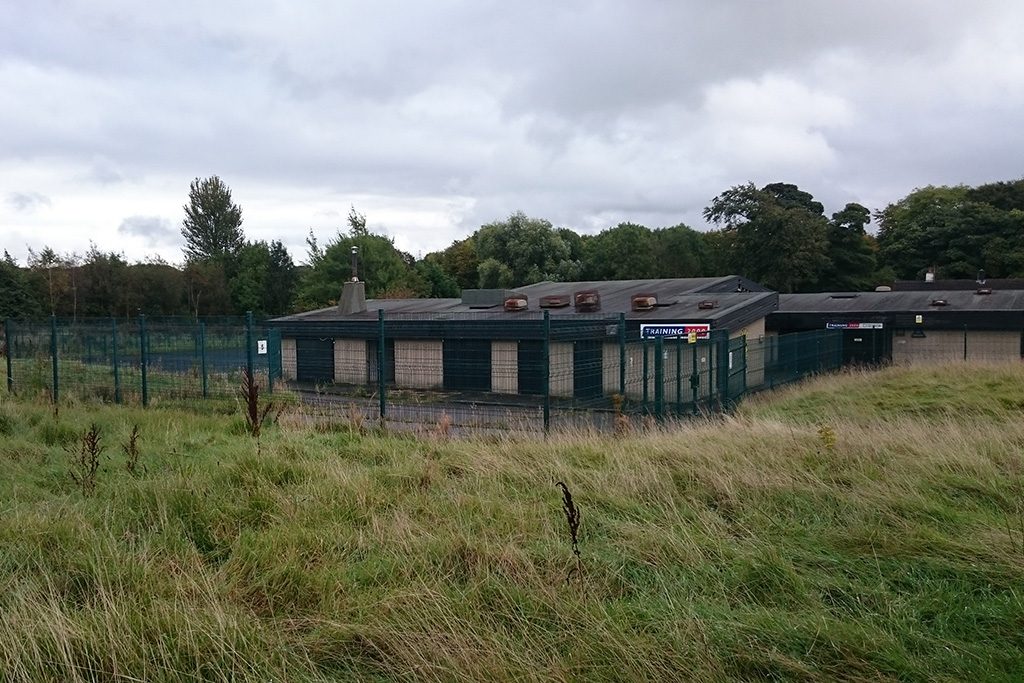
707 305
516 302
485 298
883 288
939 302
643 302
554 301
843 296
587 301
983 290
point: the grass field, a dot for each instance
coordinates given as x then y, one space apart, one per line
868 526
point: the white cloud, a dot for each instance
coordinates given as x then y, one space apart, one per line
435 118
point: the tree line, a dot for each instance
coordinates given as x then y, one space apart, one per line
778 235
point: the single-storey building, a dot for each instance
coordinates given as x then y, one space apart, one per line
978 322
492 340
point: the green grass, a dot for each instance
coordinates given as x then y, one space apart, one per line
834 531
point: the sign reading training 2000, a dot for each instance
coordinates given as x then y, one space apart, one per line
702 330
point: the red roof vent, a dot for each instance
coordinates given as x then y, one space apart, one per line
643 302
554 301
517 302
587 301
707 305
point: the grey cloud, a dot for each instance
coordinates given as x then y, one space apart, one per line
24 202
155 230
585 112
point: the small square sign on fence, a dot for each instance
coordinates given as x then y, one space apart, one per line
261 346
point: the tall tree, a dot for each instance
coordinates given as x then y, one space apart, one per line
157 288
852 264
680 251
50 274
383 268
16 296
521 251
914 233
958 230
212 227
103 280
780 233
624 252
460 260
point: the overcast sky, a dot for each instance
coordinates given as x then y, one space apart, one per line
433 118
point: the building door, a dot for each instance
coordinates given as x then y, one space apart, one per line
467 364
314 360
866 347
587 364
530 358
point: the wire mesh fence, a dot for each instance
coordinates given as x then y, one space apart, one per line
483 372
137 361
452 373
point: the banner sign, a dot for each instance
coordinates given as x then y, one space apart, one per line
702 330
854 326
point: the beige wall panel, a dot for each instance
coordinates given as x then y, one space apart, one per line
753 330
350 361
937 346
609 369
505 367
289 363
561 377
995 346
756 357
419 364
635 380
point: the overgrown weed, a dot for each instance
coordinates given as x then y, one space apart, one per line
85 459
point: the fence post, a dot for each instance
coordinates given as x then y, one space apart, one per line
55 395
722 368
646 368
381 366
546 362
202 359
270 361
115 360
250 358
679 376
659 379
965 342
9 351
144 359
622 355
744 392
695 379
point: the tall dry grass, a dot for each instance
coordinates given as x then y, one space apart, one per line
887 546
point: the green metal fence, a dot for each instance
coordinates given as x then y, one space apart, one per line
454 372
138 360
483 371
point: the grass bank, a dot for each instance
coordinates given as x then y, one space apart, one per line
835 531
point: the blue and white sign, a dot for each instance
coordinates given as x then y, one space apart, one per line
854 326
701 330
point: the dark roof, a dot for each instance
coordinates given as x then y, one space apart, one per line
846 303
947 285
1000 310
678 301
681 294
